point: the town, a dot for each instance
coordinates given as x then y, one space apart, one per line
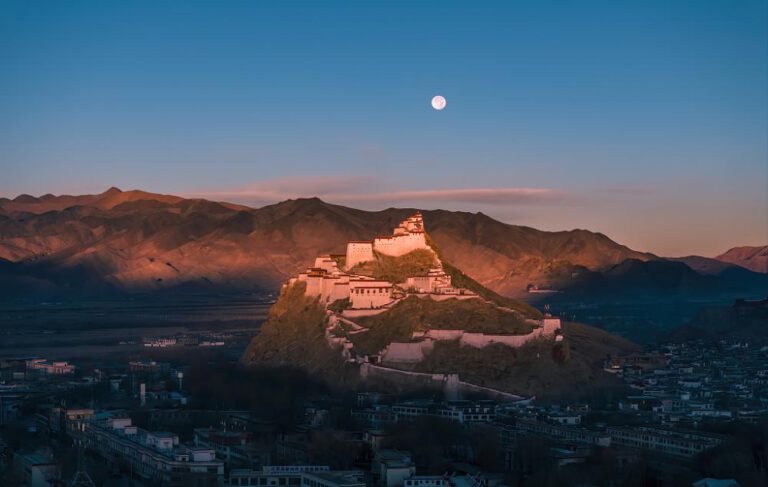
152 422
184 409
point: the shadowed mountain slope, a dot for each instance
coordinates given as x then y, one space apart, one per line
136 241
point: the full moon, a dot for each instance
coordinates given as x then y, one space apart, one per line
438 102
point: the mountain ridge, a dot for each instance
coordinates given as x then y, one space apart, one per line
754 258
135 241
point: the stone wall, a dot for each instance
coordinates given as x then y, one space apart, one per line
358 252
549 328
450 384
406 353
400 244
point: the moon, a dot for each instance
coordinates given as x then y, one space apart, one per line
438 102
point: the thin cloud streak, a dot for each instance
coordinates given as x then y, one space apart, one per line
363 191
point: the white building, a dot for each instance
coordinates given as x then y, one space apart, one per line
50 368
406 237
358 251
436 281
369 293
392 467
679 443
36 470
157 457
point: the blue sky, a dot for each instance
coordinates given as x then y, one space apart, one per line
644 120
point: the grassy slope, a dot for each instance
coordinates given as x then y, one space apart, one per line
397 269
532 369
460 279
294 335
415 314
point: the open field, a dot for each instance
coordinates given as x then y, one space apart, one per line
70 329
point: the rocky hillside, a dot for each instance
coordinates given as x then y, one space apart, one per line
133 240
753 258
293 335
744 320
572 367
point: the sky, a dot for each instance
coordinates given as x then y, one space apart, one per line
643 120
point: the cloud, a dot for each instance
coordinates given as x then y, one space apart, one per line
362 190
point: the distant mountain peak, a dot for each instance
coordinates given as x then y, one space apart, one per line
112 190
25 198
754 258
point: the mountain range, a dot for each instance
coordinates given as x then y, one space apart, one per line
754 258
120 241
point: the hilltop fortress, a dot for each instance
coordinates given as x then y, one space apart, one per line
332 278
407 237
351 289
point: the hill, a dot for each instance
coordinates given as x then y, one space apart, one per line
732 276
570 370
423 323
753 258
126 241
414 314
134 240
744 320
293 335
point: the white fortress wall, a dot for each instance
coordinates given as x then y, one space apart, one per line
406 353
358 252
550 325
327 288
314 286
400 244
481 340
340 291
326 263
359 313
466 387
443 297
421 283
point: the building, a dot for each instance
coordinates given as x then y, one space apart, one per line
334 478
155 456
369 293
234 448
10 406
678 443
564 418
36 470
149 367
392 467
435 281
281 475
50 368
570 433
406 237
468 412
296 476
427 481
358 251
